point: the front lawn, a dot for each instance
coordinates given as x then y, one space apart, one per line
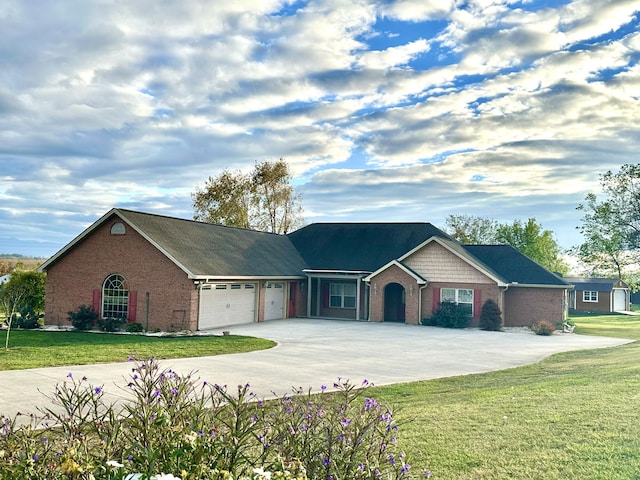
37 348
574 415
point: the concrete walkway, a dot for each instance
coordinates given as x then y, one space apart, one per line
312 353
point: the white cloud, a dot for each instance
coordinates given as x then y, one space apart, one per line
134 103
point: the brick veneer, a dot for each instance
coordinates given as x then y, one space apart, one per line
524 306
71 280
394 274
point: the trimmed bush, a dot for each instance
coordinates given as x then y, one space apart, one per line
491 316
111 324
27 318
84 318
543 327
135 327
450 315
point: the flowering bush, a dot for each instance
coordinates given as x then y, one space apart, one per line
543 327
173 424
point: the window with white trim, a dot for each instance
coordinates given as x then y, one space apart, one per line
461 296
590 296
115 297
342 295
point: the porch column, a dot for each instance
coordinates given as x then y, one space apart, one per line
318 297
309 280
358 283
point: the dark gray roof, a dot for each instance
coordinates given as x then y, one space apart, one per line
206 249
594 284
361 247
513 266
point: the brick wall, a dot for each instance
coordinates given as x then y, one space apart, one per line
482 292
394 274
71 280
523 306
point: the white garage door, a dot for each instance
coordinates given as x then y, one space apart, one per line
619 300
223 304
274 301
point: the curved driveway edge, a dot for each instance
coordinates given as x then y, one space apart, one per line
311 353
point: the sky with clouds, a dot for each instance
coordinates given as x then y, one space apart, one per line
407 110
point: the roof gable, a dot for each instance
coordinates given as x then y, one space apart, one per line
209 250
361 247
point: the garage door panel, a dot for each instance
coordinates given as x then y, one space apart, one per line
274 301
226 304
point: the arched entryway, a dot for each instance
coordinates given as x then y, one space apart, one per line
394 303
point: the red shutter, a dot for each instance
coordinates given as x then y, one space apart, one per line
325 294
436 300
97 300
133 304
477 303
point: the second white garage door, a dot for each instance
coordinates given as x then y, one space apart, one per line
223 304
274 301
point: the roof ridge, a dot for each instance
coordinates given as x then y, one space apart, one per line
199 222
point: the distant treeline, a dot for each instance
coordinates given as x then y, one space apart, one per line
9 262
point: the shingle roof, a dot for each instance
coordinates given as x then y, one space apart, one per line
513 266
206 249
359 246
594 284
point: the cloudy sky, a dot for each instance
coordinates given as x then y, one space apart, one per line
406 110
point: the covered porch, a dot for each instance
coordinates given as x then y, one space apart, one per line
337 294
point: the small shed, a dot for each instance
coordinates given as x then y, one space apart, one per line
592 294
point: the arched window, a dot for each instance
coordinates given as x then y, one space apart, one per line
115 297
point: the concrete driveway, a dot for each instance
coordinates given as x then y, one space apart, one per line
312 353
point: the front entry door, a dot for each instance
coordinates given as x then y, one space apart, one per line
394 303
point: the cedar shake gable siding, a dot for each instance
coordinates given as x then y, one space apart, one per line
524 290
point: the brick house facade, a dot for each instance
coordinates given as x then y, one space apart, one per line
173 274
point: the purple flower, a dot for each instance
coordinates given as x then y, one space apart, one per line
69 375
97 390
370 403
345 422
405 469
35 458
427 473
157 393
323 387
325 461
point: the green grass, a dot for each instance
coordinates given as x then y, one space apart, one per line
575 415
33 348
620 326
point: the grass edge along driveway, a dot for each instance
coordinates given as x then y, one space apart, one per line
44 348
